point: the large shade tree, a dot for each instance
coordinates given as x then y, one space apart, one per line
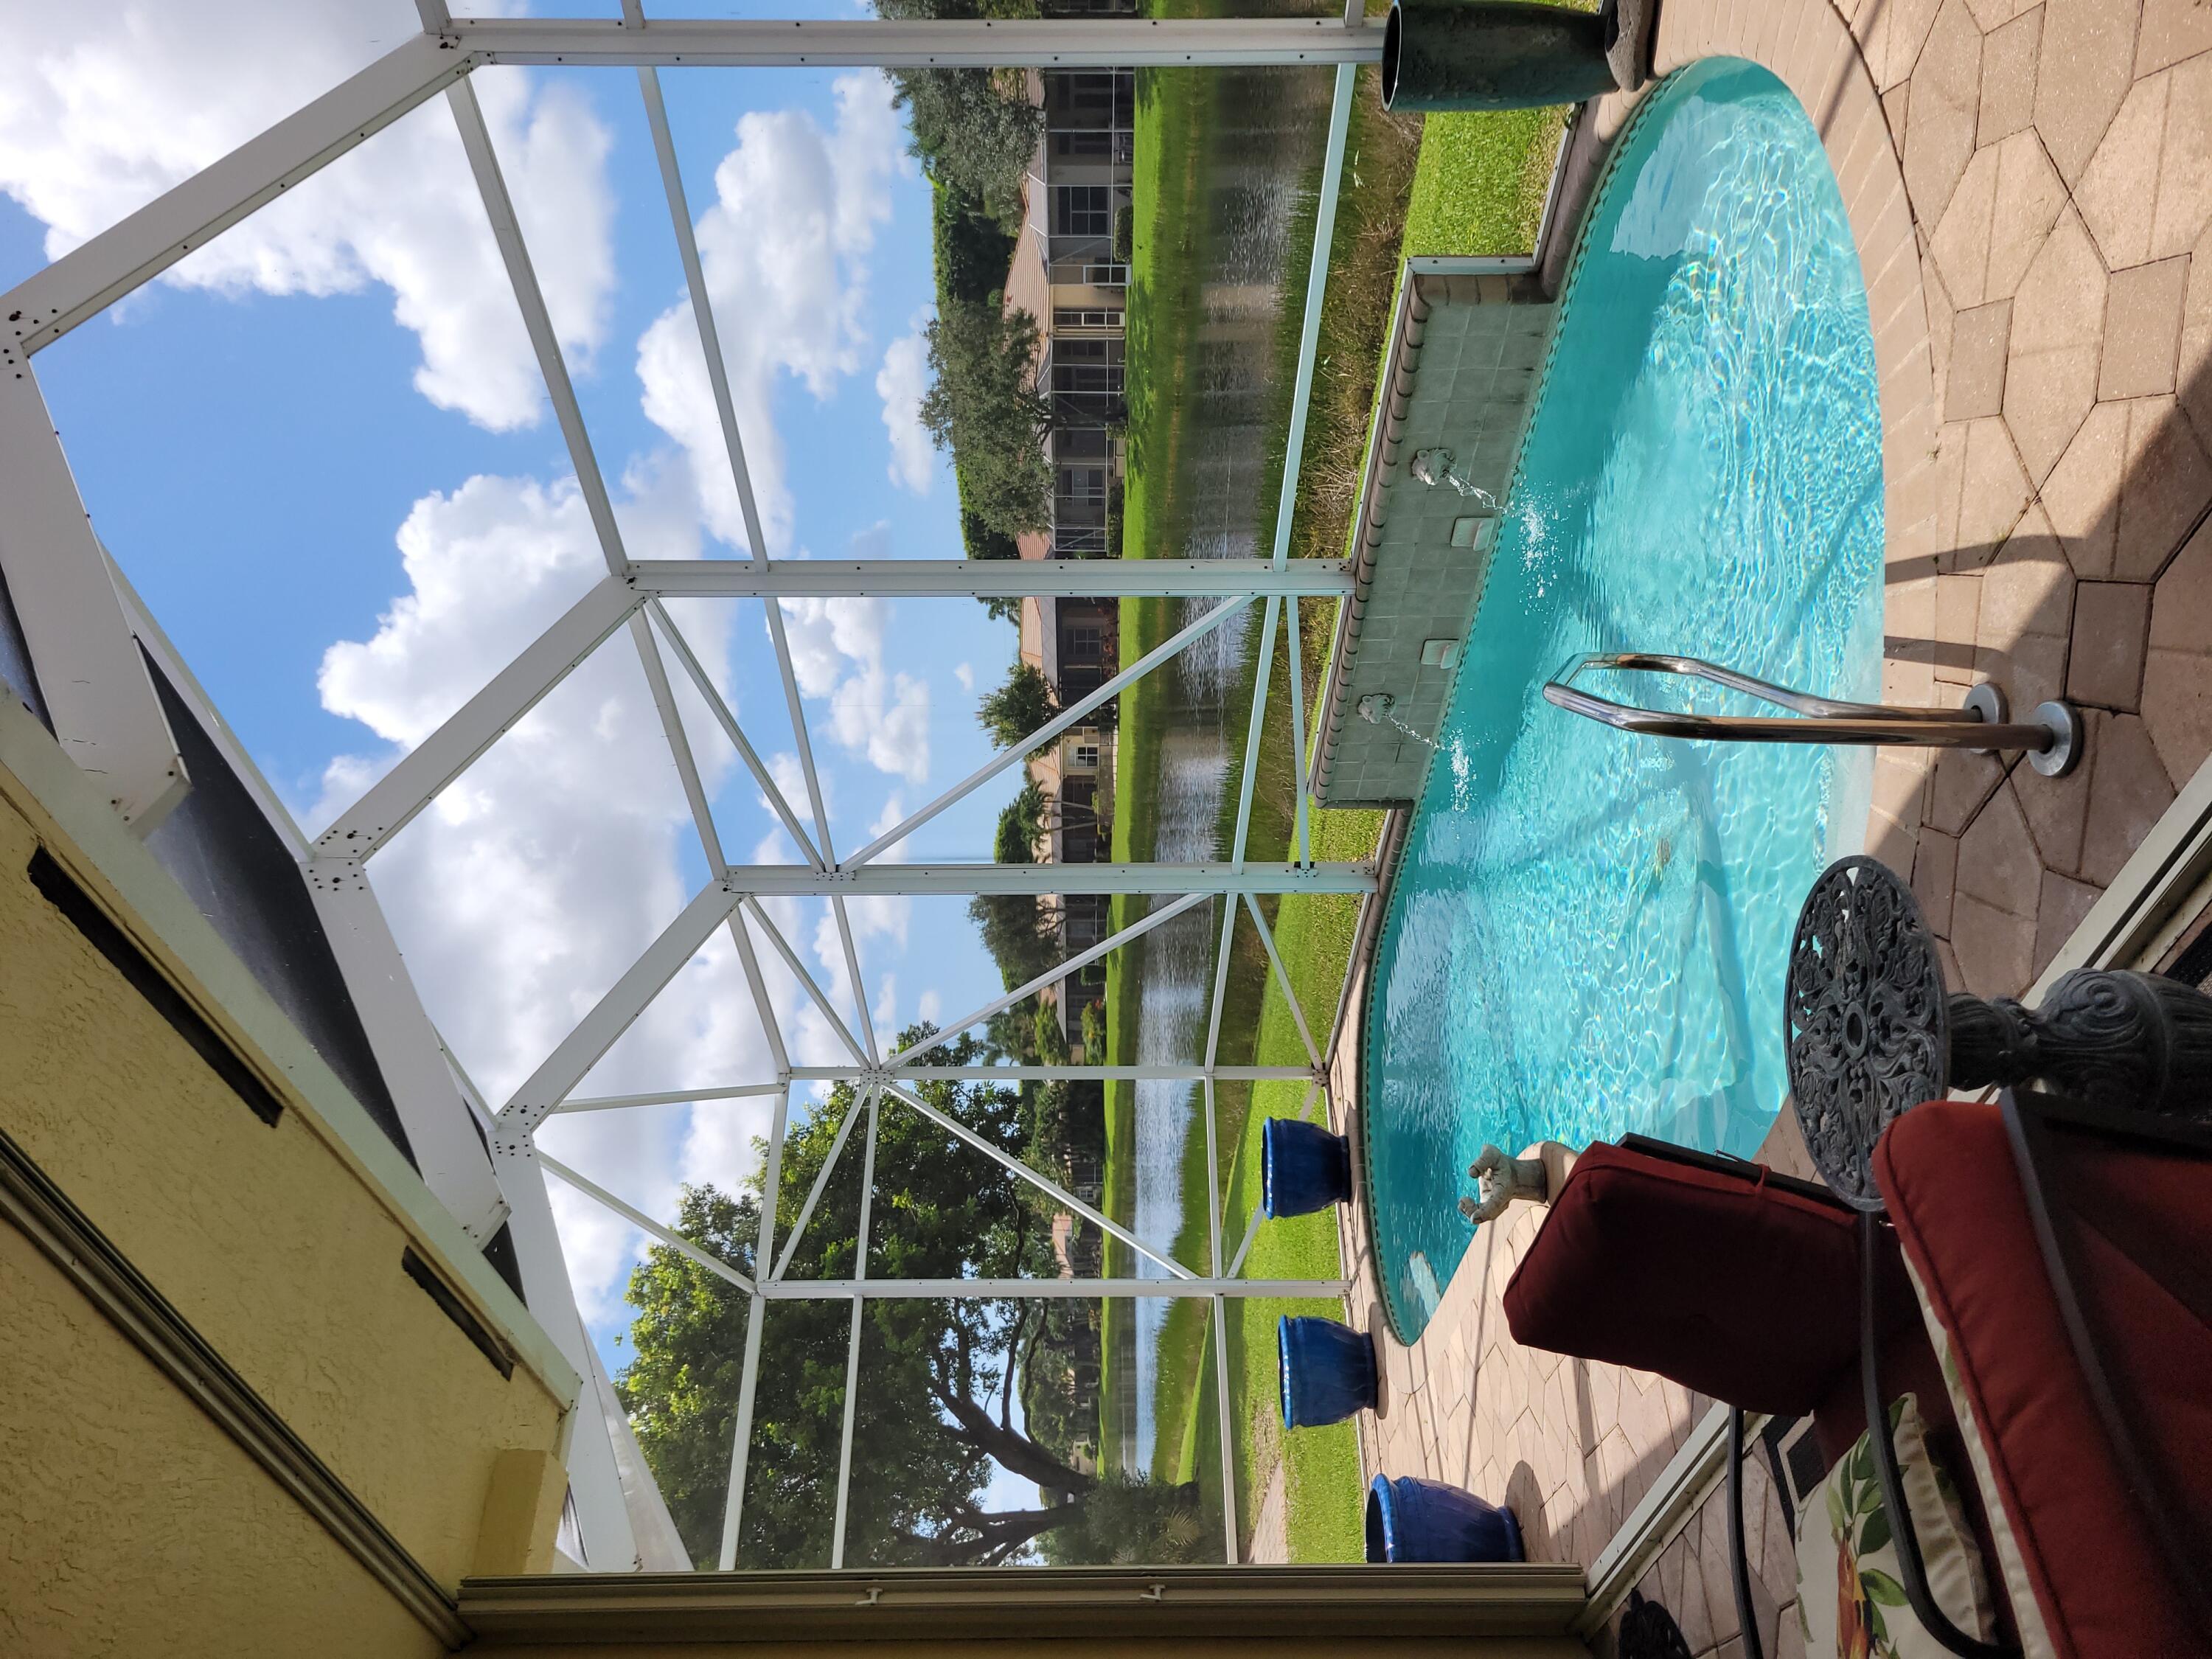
939 1379
1014 712
986 406
974 129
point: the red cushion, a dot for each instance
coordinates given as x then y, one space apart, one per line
1947 1170
1737 1289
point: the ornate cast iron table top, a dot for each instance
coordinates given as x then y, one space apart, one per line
1865 1014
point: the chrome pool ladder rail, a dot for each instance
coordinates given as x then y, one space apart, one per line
2051 736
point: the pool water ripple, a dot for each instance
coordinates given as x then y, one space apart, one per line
1586 936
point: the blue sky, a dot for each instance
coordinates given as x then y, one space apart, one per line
312 452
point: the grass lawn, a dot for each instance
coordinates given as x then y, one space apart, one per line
1480 185
1459 183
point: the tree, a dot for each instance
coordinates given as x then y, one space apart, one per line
973 252
1018 932
1128 1521
918 1476
985 405
1017 708
1021 827
973 128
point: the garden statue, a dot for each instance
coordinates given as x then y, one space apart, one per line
1437 466
1498 1180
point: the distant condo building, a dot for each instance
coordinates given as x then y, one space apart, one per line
1071 273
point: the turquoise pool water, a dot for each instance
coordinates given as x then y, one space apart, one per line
1587 933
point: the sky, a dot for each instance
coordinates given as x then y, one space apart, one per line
320 449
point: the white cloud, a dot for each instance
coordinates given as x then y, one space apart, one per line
837 656
526 888
886 716
964 672
105 104
827 633
894 810
783 248
901 383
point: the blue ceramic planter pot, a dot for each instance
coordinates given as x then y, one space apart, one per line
1410 1519
1302 1168
1328 1370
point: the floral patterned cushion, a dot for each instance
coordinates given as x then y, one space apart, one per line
1850 1597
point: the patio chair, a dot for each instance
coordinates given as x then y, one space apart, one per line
2042 1283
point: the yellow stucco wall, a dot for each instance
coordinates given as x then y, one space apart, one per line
275 1246
131 1524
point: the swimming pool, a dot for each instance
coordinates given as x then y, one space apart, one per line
1587 932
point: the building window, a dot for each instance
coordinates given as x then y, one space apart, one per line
1093 144
1086 366
1085 642
1082 211
1086 754
1075 317
1094 98
1081 483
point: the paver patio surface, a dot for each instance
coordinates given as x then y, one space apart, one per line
2031 185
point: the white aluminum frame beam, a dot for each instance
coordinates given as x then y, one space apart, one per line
441 1132
853 1113
807 982
536 320
645 1224
594 1479
821 849
1332 179
853 1342
1283 979
1294 645
669 1097
711 695
84 282
1044 1184
1043 1074
702 821
1050 977
962 880
391 802
1009 43
1040 1289
741 1431
1066 721
615 1012
983 579
91 676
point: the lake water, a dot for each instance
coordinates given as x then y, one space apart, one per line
1260 164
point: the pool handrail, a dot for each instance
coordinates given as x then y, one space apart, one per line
2051 736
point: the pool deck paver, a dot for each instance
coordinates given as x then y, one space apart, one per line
2031 189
